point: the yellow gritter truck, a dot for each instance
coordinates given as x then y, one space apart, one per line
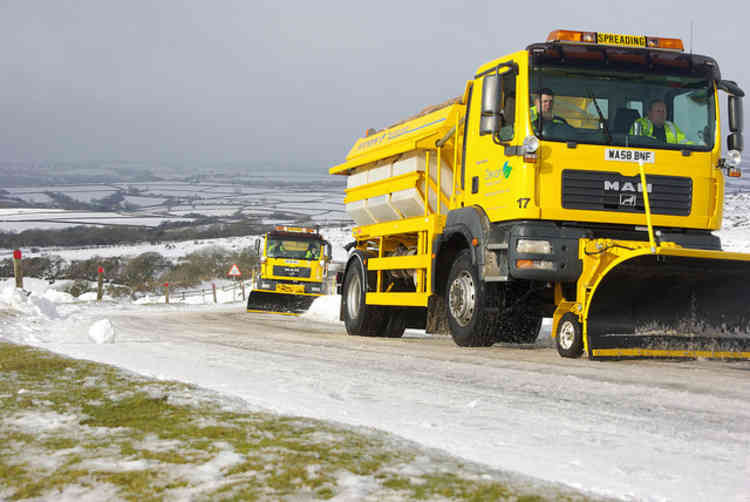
579 178
291 272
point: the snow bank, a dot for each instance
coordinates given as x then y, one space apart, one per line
324 309
58 297
145 300
29 303
102 331
90 297
30 284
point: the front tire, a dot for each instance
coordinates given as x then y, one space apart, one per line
360 319
470 315
569 336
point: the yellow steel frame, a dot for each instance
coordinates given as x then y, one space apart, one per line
283 293
420 229
424 229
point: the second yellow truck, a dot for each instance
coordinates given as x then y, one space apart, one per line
579 178
291 272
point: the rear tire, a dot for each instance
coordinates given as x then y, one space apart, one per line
360 319
394 323
470 316
569 336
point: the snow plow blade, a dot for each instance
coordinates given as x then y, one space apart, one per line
278 303
670 303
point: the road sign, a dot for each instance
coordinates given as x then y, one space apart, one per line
234 271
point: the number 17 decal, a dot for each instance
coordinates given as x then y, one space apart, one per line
523 202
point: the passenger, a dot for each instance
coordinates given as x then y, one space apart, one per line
312 252
655 125
544 99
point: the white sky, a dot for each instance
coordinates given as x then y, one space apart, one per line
288 82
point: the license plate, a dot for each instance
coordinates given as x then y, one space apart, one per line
622 40
290 288
625 155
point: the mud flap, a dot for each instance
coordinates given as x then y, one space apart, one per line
265 301
672 304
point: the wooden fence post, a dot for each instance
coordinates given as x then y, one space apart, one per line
166 292
100 284
18 268
242 283
213 285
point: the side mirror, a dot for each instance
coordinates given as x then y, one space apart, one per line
735 142
329 253
489 123
257 247
735 113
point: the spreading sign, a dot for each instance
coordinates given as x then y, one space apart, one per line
234 271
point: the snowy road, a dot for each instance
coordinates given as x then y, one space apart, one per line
644 430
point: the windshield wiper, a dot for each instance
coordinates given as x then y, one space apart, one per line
602 120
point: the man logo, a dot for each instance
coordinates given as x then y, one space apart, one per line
627 186
627 200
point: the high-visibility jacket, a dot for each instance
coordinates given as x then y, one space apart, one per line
671 131
534 117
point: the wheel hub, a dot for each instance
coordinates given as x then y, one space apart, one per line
353 297
567 335
461 298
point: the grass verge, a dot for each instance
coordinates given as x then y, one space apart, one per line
79 429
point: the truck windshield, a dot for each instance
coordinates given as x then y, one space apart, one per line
284 247
623 109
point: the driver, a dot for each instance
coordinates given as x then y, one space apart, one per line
655 125
276 249
544 100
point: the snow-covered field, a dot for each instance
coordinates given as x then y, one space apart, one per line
317 198
80 327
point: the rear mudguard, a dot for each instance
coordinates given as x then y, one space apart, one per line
669 302
278 303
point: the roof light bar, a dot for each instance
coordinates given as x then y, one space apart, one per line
284 228
616 39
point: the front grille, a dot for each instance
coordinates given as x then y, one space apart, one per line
610 191
282 271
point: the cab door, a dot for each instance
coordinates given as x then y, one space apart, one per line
490 167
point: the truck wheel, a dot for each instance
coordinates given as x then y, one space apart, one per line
470 320
394 323
360 319
569 336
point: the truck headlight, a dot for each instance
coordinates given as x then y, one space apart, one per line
530 144
734 157
533 246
